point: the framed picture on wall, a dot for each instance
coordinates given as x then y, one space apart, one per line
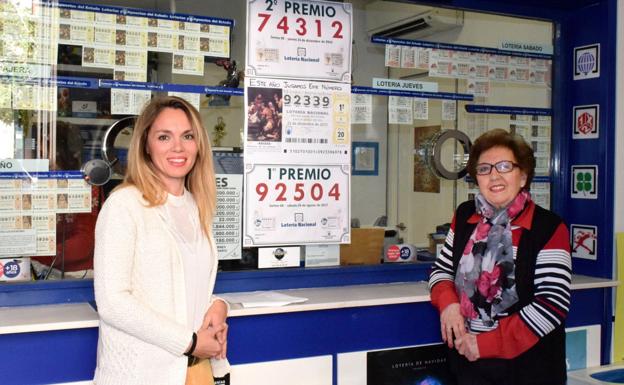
365 158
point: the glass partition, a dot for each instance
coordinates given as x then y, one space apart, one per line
400 179
493 69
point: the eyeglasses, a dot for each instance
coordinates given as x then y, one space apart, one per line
503 167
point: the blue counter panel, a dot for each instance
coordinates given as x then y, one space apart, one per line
48 357
69 355
305 334
48 292
291 278
588 307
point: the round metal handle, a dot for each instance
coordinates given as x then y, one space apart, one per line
434 154
99 171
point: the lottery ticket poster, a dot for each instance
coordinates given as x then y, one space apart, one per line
297 132
29 204
400 110
295 204
299 39
361 109
297 162
128 102
302 122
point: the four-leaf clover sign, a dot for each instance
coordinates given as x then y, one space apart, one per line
584 181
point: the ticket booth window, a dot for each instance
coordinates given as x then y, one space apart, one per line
408 150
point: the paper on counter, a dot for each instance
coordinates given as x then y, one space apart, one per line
262 299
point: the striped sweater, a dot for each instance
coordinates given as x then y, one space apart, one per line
515 333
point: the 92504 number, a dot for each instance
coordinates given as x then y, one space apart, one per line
316 192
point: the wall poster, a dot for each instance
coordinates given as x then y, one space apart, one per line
298 126
406 366
297 162
111 38
227 224
299 39
29 203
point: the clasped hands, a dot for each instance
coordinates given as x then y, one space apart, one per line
454 333
212 335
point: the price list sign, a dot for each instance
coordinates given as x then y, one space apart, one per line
299 39
227 222
295 204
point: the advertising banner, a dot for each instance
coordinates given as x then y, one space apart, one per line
299 39
406 366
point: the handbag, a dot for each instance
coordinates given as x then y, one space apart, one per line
199 372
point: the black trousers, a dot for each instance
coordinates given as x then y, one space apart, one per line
501 372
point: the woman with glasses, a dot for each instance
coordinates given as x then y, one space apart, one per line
502 280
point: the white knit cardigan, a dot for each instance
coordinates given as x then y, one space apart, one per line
140 295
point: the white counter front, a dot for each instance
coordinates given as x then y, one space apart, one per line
23 319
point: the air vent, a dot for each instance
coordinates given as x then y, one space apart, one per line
425 23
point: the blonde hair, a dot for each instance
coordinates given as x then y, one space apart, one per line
141 172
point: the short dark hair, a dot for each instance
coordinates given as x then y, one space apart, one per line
498 137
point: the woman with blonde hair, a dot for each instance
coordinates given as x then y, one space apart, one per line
155 257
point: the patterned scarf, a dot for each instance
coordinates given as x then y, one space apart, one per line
485 279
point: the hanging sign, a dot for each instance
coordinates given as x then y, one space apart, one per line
526 47
584 240
296 204
586 122
297 122
299 39
297 162
587 62
405 85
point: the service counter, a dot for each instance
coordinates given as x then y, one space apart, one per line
323 340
